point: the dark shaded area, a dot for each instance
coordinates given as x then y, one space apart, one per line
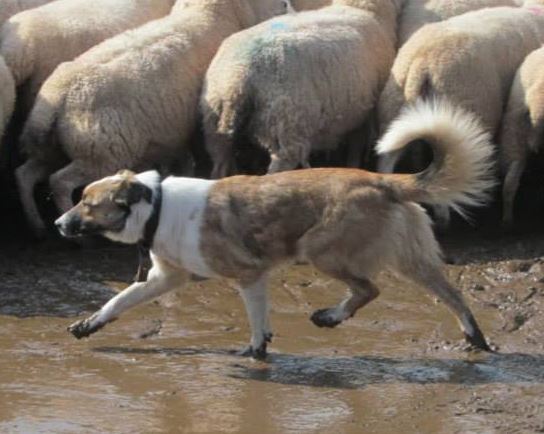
359 372
168 351
57 278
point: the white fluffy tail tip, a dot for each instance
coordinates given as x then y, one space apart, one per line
467 173
434 117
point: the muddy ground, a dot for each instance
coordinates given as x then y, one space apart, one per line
171 366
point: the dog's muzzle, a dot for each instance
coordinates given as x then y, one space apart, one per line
71 226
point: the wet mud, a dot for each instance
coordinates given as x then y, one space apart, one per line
171 366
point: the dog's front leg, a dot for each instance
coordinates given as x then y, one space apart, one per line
255 300
161 279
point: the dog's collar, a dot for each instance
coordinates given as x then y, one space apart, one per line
150 229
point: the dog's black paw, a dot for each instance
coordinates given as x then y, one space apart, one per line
83 328
325 318
255 353
478 341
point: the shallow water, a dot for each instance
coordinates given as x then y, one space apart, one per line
171 366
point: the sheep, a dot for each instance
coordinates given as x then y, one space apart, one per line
471 59
7 95
417 13
9 8
298 83
130 102
307 5
35 41
522 128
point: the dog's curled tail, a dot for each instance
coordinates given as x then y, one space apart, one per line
461 173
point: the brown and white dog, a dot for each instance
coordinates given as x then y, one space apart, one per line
348 223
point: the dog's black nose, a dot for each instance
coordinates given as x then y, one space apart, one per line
68 226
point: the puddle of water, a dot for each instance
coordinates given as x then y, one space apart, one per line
394 368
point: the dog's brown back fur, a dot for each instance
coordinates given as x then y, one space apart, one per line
254 222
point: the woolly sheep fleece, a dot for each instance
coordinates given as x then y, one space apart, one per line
417 13
130 102
35 41
9 8
523 126
440 59
7 96
299 82
307 5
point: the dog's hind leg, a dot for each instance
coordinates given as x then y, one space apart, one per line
434 281
162 278
254 294
363 291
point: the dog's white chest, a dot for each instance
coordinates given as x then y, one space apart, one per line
178 234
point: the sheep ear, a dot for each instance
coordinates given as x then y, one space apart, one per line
131 192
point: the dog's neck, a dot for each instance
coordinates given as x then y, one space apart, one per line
136 226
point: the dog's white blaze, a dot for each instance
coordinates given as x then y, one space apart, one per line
178 235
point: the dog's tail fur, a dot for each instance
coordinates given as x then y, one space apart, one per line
461 172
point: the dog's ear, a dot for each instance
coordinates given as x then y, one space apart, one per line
130 192
125 173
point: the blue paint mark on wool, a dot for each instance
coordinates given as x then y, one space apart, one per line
256 44
278 26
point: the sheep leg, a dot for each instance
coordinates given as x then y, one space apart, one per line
387 162
162 278
288 153
256 304
442 216
221 169
510 188
27 176
355 145
359 142
281 164
220 148
65 181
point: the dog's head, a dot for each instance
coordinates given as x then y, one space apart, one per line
106 206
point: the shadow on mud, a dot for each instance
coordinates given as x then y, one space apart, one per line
477 246
166 351
359 372
60 279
